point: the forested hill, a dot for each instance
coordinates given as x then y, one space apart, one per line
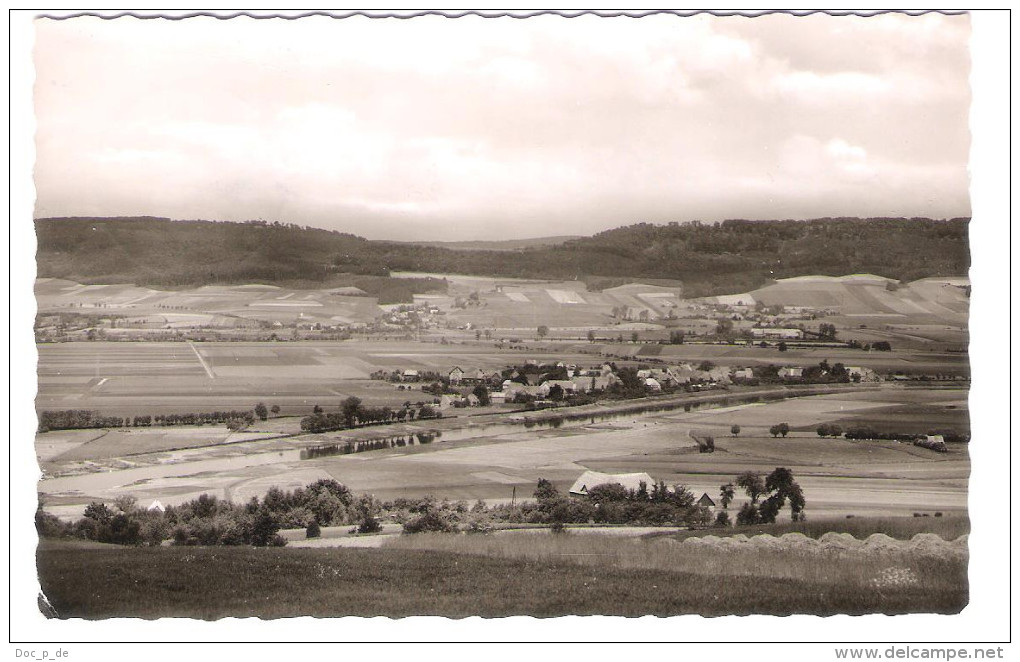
728 257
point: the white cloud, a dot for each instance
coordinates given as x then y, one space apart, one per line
592 122
841 149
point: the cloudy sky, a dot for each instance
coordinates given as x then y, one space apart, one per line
502 128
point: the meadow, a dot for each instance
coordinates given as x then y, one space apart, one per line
537 574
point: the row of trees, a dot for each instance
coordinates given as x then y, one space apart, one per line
354 414
79 419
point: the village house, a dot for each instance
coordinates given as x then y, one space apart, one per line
706 501
513 389
778 333
743 373
862 374
409 376
653 384
791 372
565 384
681 374
456 375
604 382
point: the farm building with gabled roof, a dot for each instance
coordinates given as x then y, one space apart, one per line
590 479
706 501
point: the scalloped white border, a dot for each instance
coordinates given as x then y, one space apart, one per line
986 619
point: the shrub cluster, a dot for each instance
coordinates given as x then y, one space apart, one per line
829 430
871 433
208 520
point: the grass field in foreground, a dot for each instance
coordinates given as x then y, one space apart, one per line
552 579
900 528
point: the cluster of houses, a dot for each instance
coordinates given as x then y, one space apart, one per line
504 387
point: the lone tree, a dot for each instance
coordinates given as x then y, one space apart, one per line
261 411
778 487
591 336
275 409
726 493
482 394
543 331
782 486
350 408
735 430
546 491
752 483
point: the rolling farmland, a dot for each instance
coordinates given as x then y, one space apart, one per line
127 379
493 460
211 305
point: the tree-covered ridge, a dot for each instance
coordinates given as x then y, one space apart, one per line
731 256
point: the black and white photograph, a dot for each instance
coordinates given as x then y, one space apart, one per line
610 315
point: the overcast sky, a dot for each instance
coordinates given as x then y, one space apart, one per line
477 128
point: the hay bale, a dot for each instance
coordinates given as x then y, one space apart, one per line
736 542
838 541
879 543
929 544
764 541
797 541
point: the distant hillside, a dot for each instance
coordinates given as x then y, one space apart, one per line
504 245
733 256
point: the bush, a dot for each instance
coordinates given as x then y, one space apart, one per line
313 530
748 514
430 521
479 527
369 525
722 519
50 526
